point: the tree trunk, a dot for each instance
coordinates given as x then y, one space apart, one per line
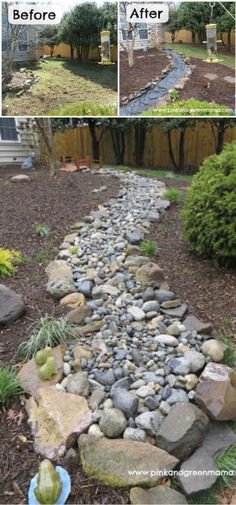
171 150
45 133
193 37
220 136
72 52
130 51
181 166
172 37
229 39
140 139
95 141
118 142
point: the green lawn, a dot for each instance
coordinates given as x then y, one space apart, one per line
198 52
148 172
67 88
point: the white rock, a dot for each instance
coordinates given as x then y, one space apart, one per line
214 349
137 313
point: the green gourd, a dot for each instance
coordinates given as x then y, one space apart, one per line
47 370
49 485
42 356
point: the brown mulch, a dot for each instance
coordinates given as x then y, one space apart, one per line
220 91
148 66
57 203
209 291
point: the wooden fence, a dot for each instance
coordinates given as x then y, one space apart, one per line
185 36
199 144
64 51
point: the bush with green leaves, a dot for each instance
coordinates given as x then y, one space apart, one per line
42 230
8 260
149 248
9 384
190 107
172 194
47 332
210 209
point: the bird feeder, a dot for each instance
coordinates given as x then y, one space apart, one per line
211 42
105 48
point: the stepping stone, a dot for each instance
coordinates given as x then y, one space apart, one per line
29 377
177 312
192 478
211 77
123 463
229 79
11 306
160 495
55 417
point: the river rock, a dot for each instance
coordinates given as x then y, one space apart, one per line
150 275
78 384
11 306
135 434
149 421
196 360
192 323
125 401
216 392
77 316
151 306
214 350
160 495
166 340
112 461
177 312
183 430
163 295
29 376
137 313
112 423
73 300
53 417
134 238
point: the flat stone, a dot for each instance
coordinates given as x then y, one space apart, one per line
153 216
77 316
163 295
183 430
134 238
211 77
218 439
160 495
89 329
112 461
29 376
216 392
20 178
58 269
70 237
58 288
73 300
214 349
54 416
136 261
112 423
192 323
177 312
194 481
150 275
78 384
11 306
171 304
230 79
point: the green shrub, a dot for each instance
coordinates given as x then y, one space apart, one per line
73 249
8 260
172 194
191 107
47 332
229 353
42 230
210 208
149 248
9 384
86 109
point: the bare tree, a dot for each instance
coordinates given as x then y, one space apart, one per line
11 37
131 33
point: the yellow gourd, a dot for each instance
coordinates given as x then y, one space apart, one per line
47 370
49 485
42 356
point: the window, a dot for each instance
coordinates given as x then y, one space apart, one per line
4 39
143 33
23 41
8 130
126 35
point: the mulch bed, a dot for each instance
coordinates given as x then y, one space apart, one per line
148 66
57 203
209 291
220 91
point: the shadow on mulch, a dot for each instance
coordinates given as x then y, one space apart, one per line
209 291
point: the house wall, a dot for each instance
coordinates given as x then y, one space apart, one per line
16 152
77 142
32 53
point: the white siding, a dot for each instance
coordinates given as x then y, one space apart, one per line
16 152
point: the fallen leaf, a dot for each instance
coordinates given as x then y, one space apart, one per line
15 416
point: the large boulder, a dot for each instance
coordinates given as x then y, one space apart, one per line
216 392
159 495
214 349
183 430
124 463
11 306
198 473
29 376
150 275
55 417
